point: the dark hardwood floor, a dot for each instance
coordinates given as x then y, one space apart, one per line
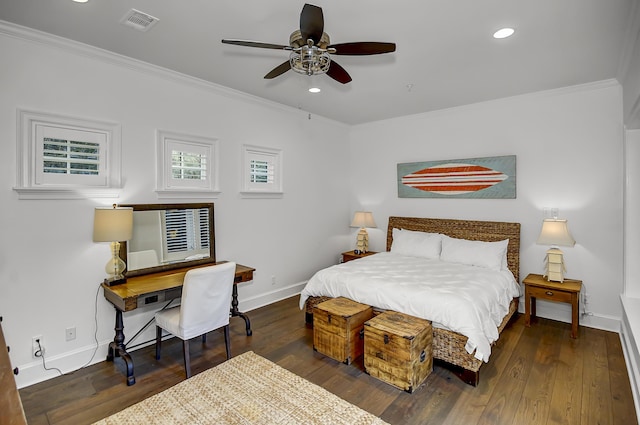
536 375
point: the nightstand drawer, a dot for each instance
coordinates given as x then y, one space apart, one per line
351 255
549 294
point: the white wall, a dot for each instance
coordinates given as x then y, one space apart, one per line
49 266
632 211
630 326
569 148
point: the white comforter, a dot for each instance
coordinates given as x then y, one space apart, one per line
465 299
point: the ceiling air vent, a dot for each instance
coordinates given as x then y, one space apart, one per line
139 20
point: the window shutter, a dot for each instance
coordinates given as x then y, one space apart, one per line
186 230
188 165
263 170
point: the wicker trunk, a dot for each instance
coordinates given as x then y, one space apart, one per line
337 328
398 349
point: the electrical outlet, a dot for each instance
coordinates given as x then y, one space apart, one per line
70 333
273 280
37 346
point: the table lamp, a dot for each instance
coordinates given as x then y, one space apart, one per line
555 232
113 225
362 219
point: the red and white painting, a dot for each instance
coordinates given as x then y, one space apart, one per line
492 177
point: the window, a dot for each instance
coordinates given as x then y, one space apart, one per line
262 170
63 157
187 165
186 231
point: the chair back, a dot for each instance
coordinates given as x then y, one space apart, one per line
206 298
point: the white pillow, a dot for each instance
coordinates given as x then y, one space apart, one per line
490 255
416 244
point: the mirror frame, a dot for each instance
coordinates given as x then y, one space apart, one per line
172 266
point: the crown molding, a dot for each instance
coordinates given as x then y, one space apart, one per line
74 47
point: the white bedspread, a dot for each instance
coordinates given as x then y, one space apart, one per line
465 299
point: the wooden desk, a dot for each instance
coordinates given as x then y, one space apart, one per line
157 287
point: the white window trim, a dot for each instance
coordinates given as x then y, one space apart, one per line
164 188
249 190
27 185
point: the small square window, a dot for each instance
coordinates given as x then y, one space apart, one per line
187 165
66 158
262 170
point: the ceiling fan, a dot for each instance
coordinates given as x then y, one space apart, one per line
311 49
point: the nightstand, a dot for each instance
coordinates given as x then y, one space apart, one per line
536 286
351 255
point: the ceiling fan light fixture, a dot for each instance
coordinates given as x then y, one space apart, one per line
309 61
504 33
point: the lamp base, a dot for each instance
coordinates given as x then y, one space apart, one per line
115 280
362 242
554 270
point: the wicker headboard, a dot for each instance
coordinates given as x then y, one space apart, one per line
489 231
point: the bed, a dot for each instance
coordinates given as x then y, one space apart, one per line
449 347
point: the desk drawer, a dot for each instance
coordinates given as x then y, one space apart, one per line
550 294
154 297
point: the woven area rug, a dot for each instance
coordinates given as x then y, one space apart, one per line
247 389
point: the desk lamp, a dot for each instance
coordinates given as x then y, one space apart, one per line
362 219
555 232
113 225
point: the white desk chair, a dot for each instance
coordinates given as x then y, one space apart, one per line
204 306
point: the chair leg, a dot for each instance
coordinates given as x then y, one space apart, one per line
158 341
204 338
227 341
187 361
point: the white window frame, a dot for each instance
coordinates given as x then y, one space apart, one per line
273 157
31 180
169 187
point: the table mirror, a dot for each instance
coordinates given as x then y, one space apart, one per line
169 236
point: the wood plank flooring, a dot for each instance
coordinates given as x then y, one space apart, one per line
537 375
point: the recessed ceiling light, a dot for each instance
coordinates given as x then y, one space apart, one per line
504 33
314 90
81 1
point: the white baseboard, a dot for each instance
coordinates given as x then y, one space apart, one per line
629 334
34 372
562 313
251 303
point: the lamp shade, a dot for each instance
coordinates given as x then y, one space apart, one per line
363 219
112 224
555 232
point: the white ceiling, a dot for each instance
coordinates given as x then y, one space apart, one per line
445 50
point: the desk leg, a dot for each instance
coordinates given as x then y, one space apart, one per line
118 349
235 312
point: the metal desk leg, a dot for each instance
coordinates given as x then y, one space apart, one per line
235 312
118 349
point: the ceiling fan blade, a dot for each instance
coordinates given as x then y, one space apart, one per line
363 48
338 73
256 44
278 70
311 23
